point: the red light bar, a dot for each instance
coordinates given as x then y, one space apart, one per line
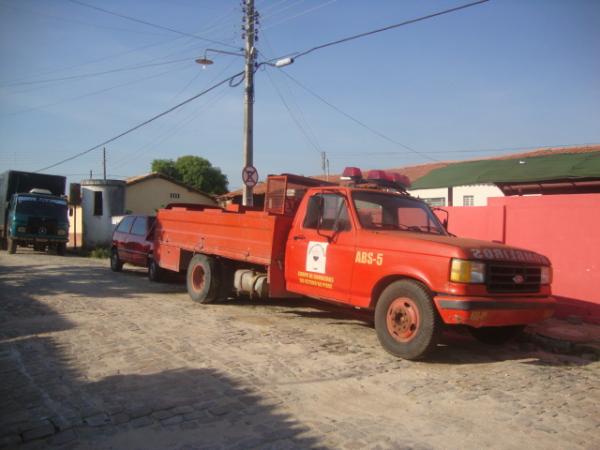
401 180
377 175
351 173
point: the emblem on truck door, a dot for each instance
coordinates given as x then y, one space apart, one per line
316 257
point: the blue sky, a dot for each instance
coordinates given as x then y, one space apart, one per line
482 81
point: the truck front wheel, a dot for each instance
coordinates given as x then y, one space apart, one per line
406 321
12 246
154 271
203 279
496 335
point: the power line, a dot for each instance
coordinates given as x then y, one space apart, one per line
355 120
300 14
146 122
144 22
310 139
105 72
89 94
379 30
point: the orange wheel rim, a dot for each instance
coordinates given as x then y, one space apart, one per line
198 278
403 319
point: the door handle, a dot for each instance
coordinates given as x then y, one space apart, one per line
299 237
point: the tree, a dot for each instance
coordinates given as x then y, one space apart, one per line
193 171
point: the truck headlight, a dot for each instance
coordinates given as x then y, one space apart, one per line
464 271
61 232
21 229
546 275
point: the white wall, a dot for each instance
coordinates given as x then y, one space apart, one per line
480 193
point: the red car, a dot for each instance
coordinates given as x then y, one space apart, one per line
132 243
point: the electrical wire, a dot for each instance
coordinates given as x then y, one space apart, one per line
309 138
144 22
140 125
297 55
303 13
76 21
105 72
357 121
89 94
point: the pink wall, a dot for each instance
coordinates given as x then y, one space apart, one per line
566 228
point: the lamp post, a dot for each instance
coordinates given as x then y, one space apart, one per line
249 69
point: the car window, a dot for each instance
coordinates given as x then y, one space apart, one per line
125 224
139 227
327 212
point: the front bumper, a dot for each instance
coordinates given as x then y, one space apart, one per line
34 238
493 311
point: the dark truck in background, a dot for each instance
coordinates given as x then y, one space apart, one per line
33 211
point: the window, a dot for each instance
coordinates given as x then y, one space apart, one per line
139 227
377 210
468 200
98 203
435 201
174 195
327 212
125 224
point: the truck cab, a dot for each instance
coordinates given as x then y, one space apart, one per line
38 219
370 246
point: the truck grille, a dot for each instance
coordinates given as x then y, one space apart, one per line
35 225
508 278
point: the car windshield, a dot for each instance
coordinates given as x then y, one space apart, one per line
41 206
379 210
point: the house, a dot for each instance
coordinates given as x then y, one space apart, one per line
541 172
145 194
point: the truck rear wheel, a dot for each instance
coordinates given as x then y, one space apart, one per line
12 246
203 283
496 335
406 321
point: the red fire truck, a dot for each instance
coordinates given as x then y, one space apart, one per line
365 244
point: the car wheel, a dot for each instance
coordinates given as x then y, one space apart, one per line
116 265
406 321
12 246
154 271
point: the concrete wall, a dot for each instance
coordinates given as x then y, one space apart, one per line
97 229
480 193
147 196
566 228
75 226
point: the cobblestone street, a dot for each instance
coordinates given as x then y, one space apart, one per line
95 359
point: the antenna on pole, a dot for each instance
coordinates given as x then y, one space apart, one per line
104 162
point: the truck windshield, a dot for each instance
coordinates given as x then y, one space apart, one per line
41 206
379 210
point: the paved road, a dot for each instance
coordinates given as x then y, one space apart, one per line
94 359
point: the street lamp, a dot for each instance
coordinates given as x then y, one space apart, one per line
250 67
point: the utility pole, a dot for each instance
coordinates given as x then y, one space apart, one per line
250 55
104 162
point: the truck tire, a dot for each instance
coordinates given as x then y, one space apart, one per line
203 283
154 271
496 335
406 321
12 246
61 248
116 265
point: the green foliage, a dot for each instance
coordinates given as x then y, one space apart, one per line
100 253
194 171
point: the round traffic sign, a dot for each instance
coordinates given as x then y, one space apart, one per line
250 176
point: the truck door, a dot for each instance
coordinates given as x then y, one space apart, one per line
320 249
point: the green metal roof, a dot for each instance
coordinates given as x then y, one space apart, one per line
540 168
